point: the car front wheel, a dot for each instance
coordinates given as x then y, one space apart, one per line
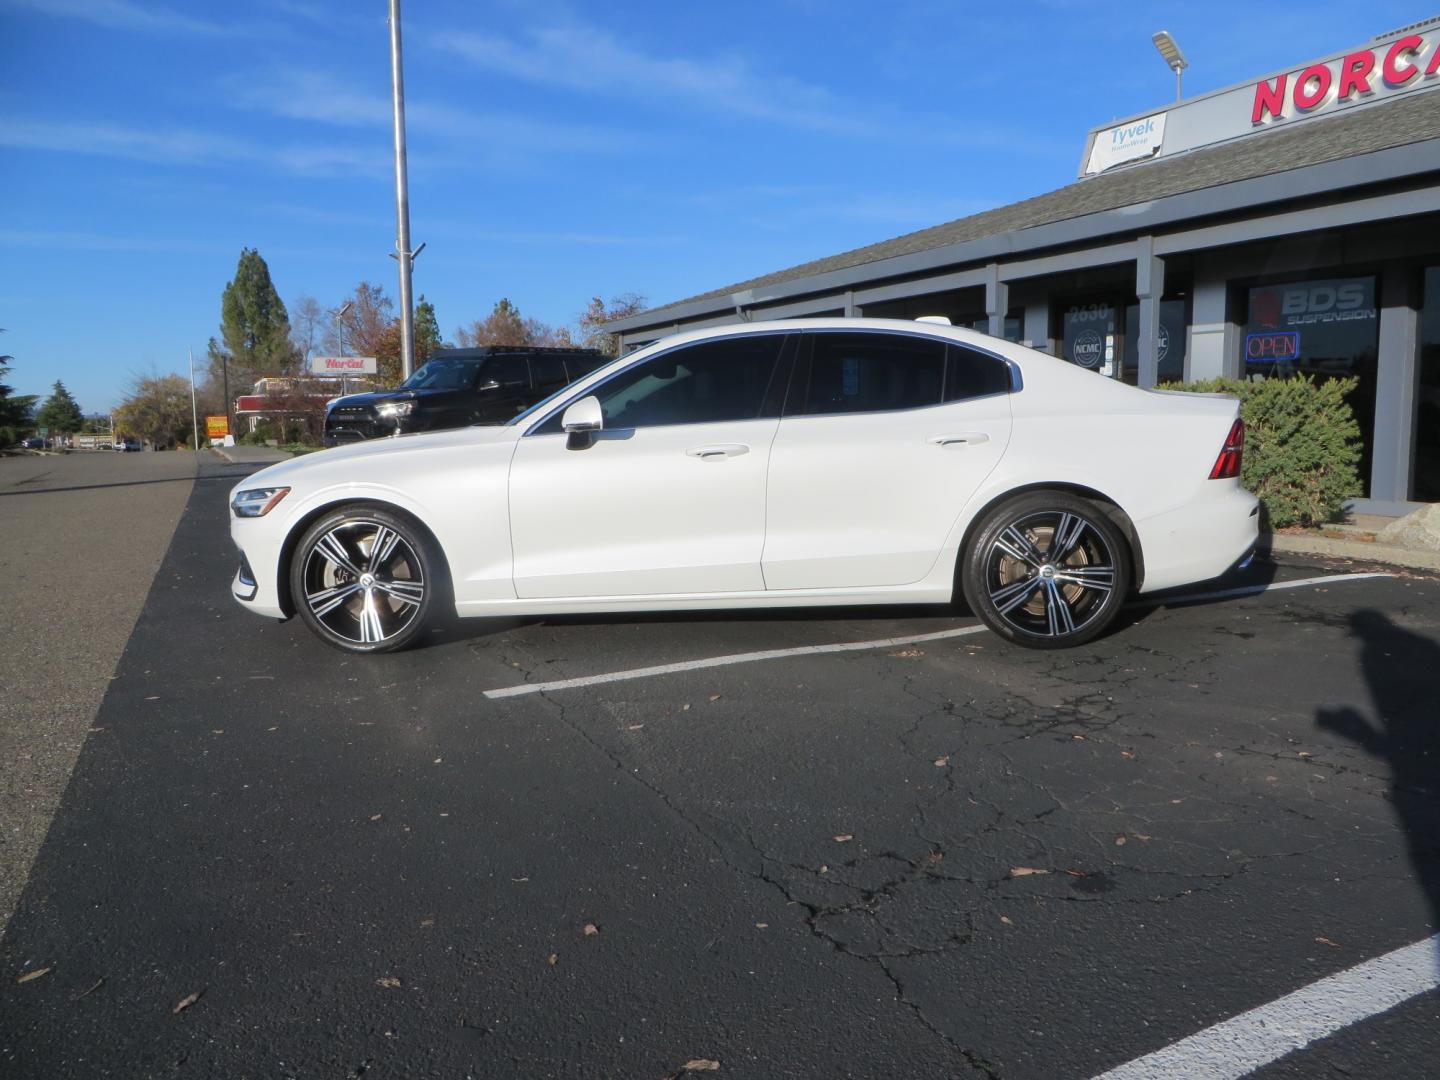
1047 570
365 579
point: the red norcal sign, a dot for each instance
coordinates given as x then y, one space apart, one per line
1362 74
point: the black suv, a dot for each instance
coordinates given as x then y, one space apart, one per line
457 387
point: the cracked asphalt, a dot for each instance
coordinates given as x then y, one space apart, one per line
950 859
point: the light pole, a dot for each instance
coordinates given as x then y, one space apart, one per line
194 408
338 314
403 254
1171 54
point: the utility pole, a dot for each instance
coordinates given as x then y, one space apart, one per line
403 254
194 409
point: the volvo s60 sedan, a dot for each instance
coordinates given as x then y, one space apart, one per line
782 464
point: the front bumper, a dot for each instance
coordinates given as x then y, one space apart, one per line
257 591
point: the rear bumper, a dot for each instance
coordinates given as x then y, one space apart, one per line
1200 540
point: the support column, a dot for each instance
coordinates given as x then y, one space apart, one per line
1393 466
997 300
851 311
1149 288
1036 328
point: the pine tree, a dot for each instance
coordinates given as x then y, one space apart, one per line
427 331
61 413
254 326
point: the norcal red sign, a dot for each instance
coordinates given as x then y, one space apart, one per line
1373 72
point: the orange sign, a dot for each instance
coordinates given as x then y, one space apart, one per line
217 427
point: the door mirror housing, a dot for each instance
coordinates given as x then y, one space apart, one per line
583 415
581 421
488 384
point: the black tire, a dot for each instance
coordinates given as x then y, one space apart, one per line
1026 590
366 580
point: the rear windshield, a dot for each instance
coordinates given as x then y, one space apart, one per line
444 374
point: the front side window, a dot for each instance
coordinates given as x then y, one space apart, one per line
509 371
856 373
445 373
713 382
549 371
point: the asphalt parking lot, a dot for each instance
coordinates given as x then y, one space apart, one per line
938 857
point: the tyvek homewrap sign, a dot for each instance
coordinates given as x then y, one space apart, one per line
1129 142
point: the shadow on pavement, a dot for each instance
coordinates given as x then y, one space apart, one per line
1401 669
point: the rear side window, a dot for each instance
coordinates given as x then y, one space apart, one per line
549 372
972 374
584 365
856 373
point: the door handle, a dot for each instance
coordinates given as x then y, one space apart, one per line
718 451
964 438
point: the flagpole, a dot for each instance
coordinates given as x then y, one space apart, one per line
194 411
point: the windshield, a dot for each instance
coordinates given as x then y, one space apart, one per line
443 374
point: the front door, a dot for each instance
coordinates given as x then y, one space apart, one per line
881 447
669 497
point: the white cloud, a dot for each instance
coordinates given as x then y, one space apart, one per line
324 98
181 146
124 15
591 59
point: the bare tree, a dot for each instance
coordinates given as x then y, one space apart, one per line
307 325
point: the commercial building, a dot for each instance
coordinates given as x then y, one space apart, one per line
1286 225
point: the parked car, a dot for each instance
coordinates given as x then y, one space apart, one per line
128 446
782 464
457 387
34 444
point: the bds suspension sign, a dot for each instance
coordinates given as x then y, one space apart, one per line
217 427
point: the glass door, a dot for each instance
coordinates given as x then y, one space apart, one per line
1090 333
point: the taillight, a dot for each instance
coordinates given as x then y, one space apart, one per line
1227 465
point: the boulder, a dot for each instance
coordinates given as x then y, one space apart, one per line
1418 529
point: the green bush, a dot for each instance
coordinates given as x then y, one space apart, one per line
1302 445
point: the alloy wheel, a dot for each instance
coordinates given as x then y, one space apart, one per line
363 581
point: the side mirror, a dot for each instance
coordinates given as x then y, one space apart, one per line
581 420
489 384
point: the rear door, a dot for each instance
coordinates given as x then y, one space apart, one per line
884 439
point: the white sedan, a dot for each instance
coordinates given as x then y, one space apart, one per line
782 464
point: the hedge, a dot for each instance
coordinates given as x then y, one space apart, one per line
1302 445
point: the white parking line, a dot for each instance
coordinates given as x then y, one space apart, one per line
1243 1044
881 643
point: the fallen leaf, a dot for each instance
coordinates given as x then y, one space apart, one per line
1327 941
1026 871
1128 755
1006 920
1272 779
553 959
1078 738
153 697
908 654
389 982
428 921
762 926
376 817
591 929
33 975
936 856
90 989
685 707
1142 836
941 762
824 869
1305 754
701 1065
714 697
217 731
1075 873
519 880
634 727
844 838
438 760
1119 841
185 1002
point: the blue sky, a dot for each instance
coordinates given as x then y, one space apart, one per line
557 150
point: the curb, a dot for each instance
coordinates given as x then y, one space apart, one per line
250 455
1366 551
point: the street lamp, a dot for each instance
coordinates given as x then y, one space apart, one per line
1172 55
339 315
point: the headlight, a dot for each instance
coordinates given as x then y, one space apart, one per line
257 502
393 410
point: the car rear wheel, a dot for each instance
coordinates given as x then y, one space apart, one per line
1047 570
365 580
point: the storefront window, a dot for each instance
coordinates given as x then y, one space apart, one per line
1089 336
982 324
1325 328
1427 430
1174 327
